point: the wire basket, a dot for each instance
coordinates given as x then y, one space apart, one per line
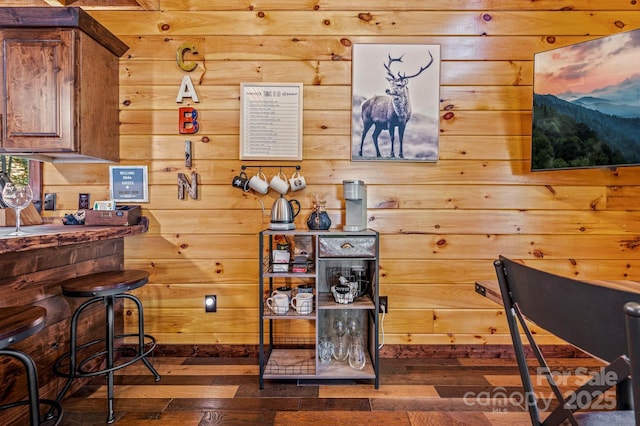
334 273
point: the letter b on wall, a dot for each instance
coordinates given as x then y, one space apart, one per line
188 122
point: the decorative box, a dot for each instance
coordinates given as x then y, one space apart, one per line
121 216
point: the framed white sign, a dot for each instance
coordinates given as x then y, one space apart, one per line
271 121
129 183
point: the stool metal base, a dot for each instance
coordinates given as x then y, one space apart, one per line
75 369
54 415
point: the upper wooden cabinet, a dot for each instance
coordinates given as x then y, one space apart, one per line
59 80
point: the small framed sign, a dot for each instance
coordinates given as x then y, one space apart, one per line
129 183
271 121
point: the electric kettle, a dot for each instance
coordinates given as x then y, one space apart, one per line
283 211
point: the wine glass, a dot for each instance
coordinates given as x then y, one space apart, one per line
340 349
17 197
353 326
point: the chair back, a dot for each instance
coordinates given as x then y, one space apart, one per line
588 316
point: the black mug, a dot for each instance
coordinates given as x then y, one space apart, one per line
241 182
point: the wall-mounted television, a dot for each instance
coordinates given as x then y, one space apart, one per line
586 104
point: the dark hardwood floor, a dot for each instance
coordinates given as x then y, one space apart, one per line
214 390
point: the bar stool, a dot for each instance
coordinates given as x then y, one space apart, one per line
16 324
105 287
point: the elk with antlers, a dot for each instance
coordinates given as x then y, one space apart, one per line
390 111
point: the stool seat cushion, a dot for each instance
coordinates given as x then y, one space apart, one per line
104 283
19 322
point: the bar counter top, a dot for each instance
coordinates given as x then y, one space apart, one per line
55 234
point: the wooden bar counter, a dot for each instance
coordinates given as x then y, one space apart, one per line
30 269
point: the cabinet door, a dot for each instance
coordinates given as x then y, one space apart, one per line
38 83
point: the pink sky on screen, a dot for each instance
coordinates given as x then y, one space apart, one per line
584 67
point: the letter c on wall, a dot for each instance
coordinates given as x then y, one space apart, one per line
184 47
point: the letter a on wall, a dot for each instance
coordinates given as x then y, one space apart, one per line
187 90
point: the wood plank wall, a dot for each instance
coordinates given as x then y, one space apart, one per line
441 224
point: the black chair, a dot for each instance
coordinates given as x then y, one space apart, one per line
16 324
105 288
588 316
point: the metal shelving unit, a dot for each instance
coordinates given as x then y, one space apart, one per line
287 354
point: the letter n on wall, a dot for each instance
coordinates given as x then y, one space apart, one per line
191 187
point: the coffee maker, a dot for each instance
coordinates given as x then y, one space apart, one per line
355 196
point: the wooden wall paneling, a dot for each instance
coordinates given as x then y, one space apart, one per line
162 172
408 322
217 73
209 338
139 97
439 232
455 221
508 48
623 197
190 246
191 296
384 22
326 97
407 246
314 122
170 272
445 272
224 147
418 296
407 5
180 320
460 247
393 197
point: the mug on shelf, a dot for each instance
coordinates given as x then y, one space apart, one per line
283 290
278 303
302 303
304 288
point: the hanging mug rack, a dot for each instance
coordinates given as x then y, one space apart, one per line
243 167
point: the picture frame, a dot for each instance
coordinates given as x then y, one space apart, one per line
129 184
395 105
271 121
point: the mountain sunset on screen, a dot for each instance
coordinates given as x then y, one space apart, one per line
586 104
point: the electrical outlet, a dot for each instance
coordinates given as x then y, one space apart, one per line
383 301
49 201
211 303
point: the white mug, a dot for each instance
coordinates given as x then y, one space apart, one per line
297 181
279 183
259 183
283 290
278 303
303 303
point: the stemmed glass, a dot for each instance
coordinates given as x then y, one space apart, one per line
340 349
353 326
357 359
17 197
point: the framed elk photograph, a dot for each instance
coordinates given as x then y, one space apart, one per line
395 102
